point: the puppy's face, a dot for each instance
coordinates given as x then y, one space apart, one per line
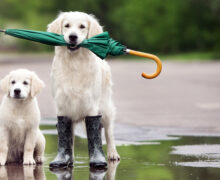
21 84
19 87
76 27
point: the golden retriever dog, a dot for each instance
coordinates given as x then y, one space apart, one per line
81 81
20 136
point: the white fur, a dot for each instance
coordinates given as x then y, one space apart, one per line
20 136
81 82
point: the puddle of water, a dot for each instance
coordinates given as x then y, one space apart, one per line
181 158
207 155
154 161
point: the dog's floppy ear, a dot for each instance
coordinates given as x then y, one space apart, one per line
36 85
4 84
56 25
94 27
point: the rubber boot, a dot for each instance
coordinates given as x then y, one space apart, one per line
64 156
96 154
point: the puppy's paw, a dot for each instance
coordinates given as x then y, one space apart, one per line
2 161
29 161
39 159
113 156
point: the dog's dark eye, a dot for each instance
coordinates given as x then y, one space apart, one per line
13 82
81 26
67 25
25 83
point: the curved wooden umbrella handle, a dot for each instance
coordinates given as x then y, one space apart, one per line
150 56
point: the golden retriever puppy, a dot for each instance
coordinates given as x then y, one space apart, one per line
20 136
81 81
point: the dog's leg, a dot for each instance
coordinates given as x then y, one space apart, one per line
64 156
4 146
40 147
109 135
29 146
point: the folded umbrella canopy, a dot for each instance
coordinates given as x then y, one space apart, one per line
37 36
102 45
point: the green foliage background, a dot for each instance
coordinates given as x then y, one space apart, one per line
160 26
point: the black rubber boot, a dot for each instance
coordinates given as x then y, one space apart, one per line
96 154
64 157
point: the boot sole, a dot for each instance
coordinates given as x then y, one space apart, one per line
100 165
61 165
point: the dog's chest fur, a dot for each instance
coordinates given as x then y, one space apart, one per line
77 82
16 139
17 119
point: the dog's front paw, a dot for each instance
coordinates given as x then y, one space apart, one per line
29 161
39 159
113 156
2 161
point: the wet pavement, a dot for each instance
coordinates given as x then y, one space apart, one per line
172 158
185 95
166 129
158 155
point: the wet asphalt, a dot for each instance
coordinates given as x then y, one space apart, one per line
185 96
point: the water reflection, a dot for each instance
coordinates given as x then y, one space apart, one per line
20 172
112 167
63 174
153 161
97 174
94 174
104 174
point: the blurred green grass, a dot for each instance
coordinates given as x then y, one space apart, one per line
192 56
187 56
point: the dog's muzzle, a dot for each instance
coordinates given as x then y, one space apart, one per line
17 94
73 42
73 47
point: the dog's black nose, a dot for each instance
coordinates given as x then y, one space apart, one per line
73 37
17 92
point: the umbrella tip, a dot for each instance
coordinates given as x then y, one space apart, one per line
2 30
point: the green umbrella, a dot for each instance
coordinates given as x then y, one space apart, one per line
37 36
102 45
